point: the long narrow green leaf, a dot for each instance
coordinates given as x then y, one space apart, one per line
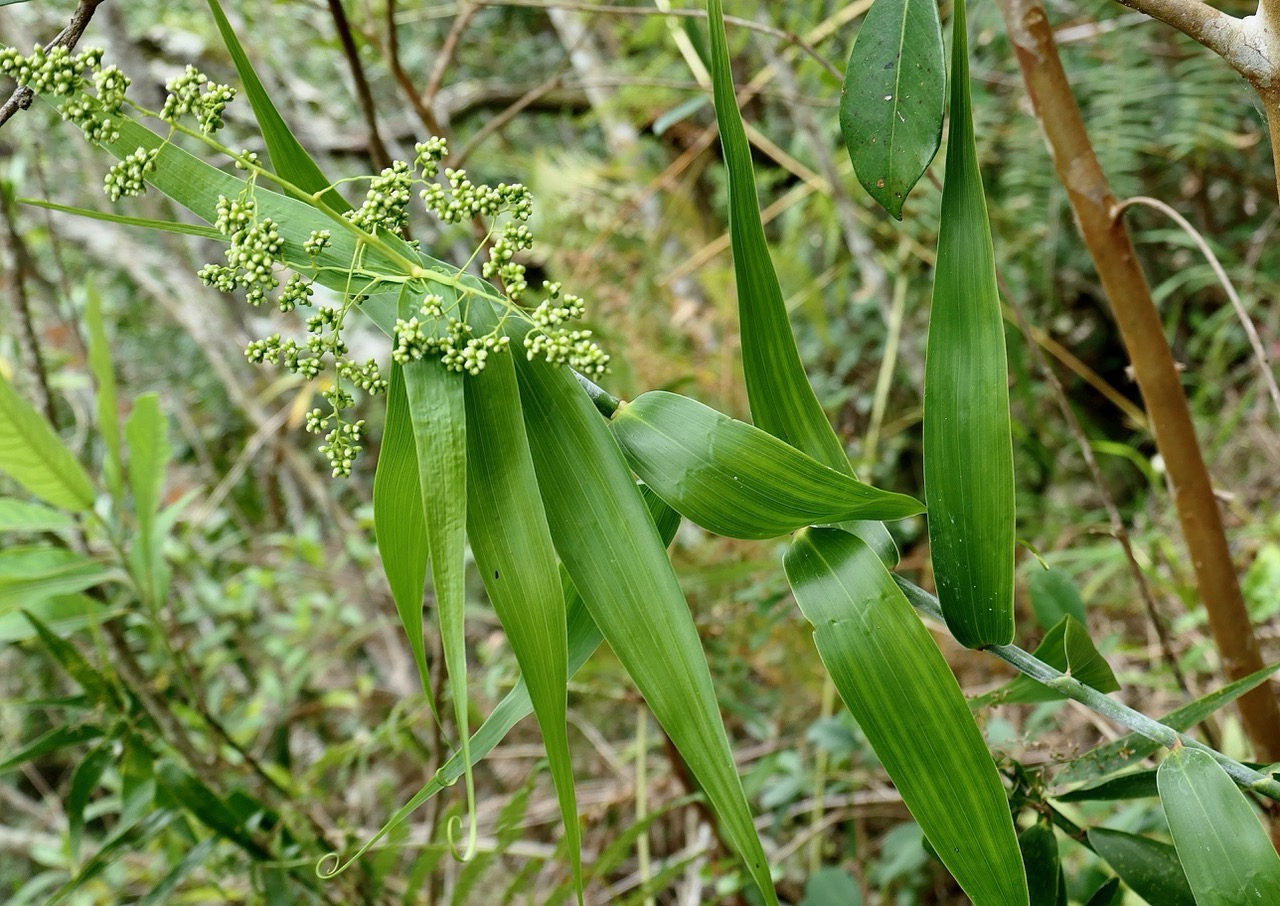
781 399
517 560
32 574
84 780
893 99
104 379
147 434
33 456
55 740
399 525
584 638
615 558
20 516
69 658
736 480
1223 846
437 411
163 226
1121 753
62 614
968 446
1149 867
898 686
1040 855
288 157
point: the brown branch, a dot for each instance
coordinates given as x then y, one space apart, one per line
1142 331
23 96
377 150
445 57
22 267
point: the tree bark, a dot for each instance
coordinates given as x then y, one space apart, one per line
1116 260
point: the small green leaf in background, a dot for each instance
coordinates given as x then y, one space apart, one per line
1066 647
1121 753
1039 849
893 99
1150 868
62 615
84 780
1054 596
206 806
105 392
399 525
20 516
33 456
1224 848
899 688
778 391
1134 785
146 432
29 575
736 480
828 886
137 780
54 740
968 445
68 657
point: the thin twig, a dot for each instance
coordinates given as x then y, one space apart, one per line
23 96
364 96
496 123
445 57
1255 342
17 281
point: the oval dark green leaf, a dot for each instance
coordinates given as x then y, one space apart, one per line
893 99
1149 867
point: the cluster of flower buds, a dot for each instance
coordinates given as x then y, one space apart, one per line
193 93
58 73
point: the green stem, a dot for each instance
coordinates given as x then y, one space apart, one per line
1096 701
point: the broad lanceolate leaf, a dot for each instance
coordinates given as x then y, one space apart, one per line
968 446
398 521
894 93
20 516
1115 756
1223 846
288 158
33 456
613 554
31 574
782 401
437 411
1149 867
514 553
736 480
1068 648
584 638
896 682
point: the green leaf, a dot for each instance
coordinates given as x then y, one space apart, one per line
62 615
1150 868
1039 849
55 740
1135 785
616 560
1109 894
20 516
68 657
1066 647
29 575
437 412
584 638
105 396
512 544
288 158
146 432
968 446
898 686
736 480
196 857
123 840
894 94
1121 753
206 807
782 401
137 780
84 780
1223 846
33 456
399 523
163 226
828 886
1054 596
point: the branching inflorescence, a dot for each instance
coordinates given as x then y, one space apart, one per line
258 260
